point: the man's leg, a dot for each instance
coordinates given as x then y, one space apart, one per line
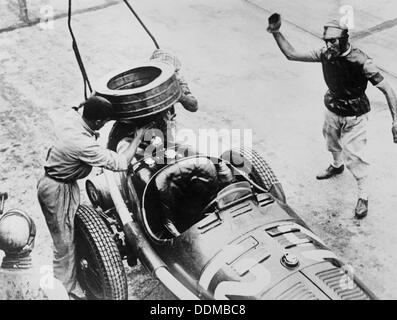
59 202
354 138
332 134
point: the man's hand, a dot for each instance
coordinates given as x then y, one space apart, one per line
394 131
274 23
139 133
3 195
130 151
169 116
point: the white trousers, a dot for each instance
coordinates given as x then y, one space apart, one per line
348 136
59 202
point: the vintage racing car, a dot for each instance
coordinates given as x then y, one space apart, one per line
207 228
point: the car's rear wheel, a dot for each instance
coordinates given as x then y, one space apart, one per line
257 169
100 269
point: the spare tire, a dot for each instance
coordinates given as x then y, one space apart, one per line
141 90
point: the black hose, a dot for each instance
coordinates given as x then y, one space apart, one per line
142 24
77 53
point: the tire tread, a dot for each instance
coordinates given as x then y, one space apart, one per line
105 250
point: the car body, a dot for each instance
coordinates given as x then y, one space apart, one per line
247 243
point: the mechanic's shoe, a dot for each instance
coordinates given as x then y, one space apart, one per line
330 172
361 209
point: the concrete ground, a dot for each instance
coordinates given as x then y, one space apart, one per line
242 81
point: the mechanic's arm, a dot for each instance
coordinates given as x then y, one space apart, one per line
97 156
129 153
286 48
391 98
188 101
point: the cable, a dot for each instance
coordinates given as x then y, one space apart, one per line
142 24
77 53
76 49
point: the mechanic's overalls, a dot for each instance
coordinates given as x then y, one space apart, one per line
59 202
71 159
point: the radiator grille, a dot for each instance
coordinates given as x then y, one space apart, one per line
342 284
297 292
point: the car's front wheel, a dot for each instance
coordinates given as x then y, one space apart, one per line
100 269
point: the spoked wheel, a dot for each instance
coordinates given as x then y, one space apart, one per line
257 169
100 269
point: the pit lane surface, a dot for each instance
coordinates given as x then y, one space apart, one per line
242 81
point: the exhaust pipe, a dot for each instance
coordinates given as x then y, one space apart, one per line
141 247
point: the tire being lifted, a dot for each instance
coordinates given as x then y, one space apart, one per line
140 91
100 269
257 169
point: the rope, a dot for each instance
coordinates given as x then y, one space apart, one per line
142 24
77 53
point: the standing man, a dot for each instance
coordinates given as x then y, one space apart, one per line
346 71
72 157
187 99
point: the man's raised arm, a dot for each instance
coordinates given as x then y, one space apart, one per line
286 48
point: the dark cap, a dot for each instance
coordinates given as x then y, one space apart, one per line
97 108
